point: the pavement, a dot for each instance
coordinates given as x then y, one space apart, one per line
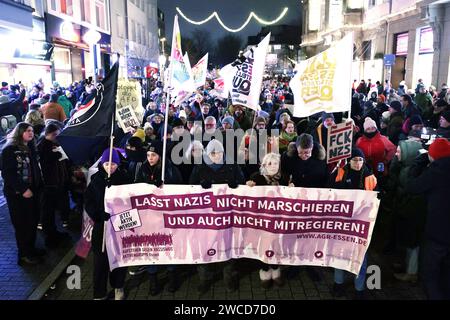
21 283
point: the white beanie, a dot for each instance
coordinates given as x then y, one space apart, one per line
369 123
386 115
182 114
147 125
214 146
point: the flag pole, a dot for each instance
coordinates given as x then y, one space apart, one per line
111 146
166 123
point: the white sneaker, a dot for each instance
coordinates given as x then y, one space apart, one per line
119 294
137 271
39 226
276 274
265 275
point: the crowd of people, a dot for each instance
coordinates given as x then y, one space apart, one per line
401 150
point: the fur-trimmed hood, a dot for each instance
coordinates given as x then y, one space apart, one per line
318 151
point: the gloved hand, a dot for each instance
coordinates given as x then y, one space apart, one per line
206 184
158 183
233 185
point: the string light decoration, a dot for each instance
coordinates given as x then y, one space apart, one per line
251 15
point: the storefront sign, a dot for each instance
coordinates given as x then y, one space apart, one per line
402 44
39 50
426 40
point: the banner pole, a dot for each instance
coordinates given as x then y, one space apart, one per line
166 123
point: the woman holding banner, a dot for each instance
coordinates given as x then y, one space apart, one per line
355 176
95 208
269 175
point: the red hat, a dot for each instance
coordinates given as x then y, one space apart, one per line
440 148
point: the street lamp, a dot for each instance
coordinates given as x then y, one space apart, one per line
92 37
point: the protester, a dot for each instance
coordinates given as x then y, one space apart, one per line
55 173
34 117
110 173
444 125
357 176
22 184
269 175
288 135
53 111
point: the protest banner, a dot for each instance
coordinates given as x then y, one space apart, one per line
127 119
199 71
129 94
274 224
340 141
322 82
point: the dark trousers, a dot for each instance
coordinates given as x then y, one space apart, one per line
101 274
266 267
206 271
436 271
24 217
54 198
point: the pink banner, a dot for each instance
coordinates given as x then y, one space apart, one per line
277 225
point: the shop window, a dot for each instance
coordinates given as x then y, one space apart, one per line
100 13
66 7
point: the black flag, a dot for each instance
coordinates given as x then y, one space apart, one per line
90 126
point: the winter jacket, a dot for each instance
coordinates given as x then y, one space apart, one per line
311 173
394 128
55 173
376 150
20 169
409 209
204 175
153 175
53 111
347 178
65 103
260 180
285 140
94 201
444 132
433 181
424 102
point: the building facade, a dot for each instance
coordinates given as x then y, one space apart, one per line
412 30
134 29
283 46
25 52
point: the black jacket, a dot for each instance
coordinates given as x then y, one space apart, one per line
20 169
312 173
54 172
94 201
204 175
433 181
14 107
153 175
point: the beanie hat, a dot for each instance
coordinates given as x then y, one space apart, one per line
114 159
326 116
135 142
182 114
356 152
396 105
446 115
369 123
214 146
147 125
140 133
229 120
155 146
440 148
415 119
385 116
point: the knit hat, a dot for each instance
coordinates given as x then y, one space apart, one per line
155 146
396 105
440 148
147 125
326 116
114 159
140 133
356 152
446 115
369 123
214 146
135 142
415 119
229 120
385 116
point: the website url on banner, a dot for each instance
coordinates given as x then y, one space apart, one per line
332 237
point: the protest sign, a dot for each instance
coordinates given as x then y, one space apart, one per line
277 225
129 94
340 140
127 119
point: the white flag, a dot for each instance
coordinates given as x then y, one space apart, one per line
323 82
245 86
199 71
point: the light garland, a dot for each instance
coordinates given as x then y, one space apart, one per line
251 15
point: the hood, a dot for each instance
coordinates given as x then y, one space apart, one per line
409 150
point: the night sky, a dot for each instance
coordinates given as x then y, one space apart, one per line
232 12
